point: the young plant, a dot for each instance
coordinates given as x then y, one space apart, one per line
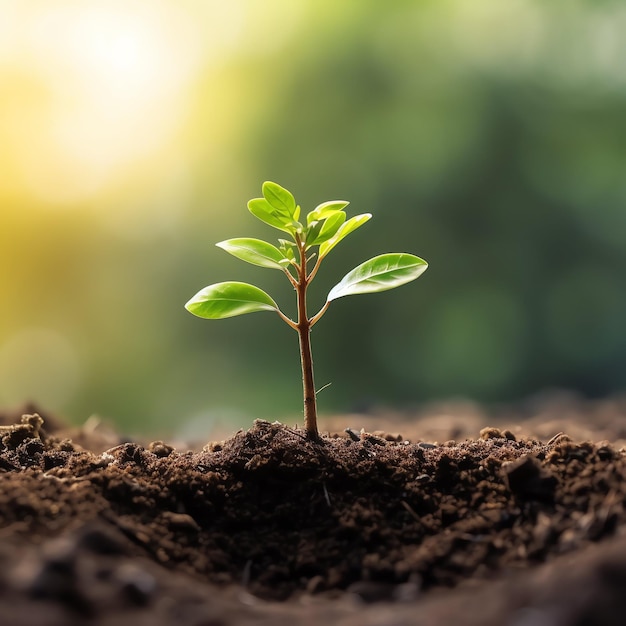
299 257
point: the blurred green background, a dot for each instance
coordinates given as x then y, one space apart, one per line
488 137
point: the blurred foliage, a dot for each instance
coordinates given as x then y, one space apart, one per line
134 134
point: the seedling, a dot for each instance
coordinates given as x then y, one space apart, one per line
299 258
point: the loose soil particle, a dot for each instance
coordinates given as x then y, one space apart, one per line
357 528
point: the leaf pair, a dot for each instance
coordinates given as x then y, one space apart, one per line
380 273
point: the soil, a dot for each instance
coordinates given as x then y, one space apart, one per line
513 524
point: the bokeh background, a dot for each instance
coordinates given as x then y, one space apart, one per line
488 137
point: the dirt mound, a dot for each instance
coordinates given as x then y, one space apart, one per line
354 525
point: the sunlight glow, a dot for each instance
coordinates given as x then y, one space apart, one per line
103 90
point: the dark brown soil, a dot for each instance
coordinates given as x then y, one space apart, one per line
270 528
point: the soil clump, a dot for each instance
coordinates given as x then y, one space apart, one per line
269 527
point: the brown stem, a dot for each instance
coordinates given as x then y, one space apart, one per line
311 276
306 357
319 314
308 385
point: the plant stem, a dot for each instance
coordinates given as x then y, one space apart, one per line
306 357
308 385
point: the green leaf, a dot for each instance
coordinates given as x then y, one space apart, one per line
383 272
326 209
346 228
254 251
312 232
263 210
279 198
329 228
229 299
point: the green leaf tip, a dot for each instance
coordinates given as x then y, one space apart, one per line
383 272
326 209
229 299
